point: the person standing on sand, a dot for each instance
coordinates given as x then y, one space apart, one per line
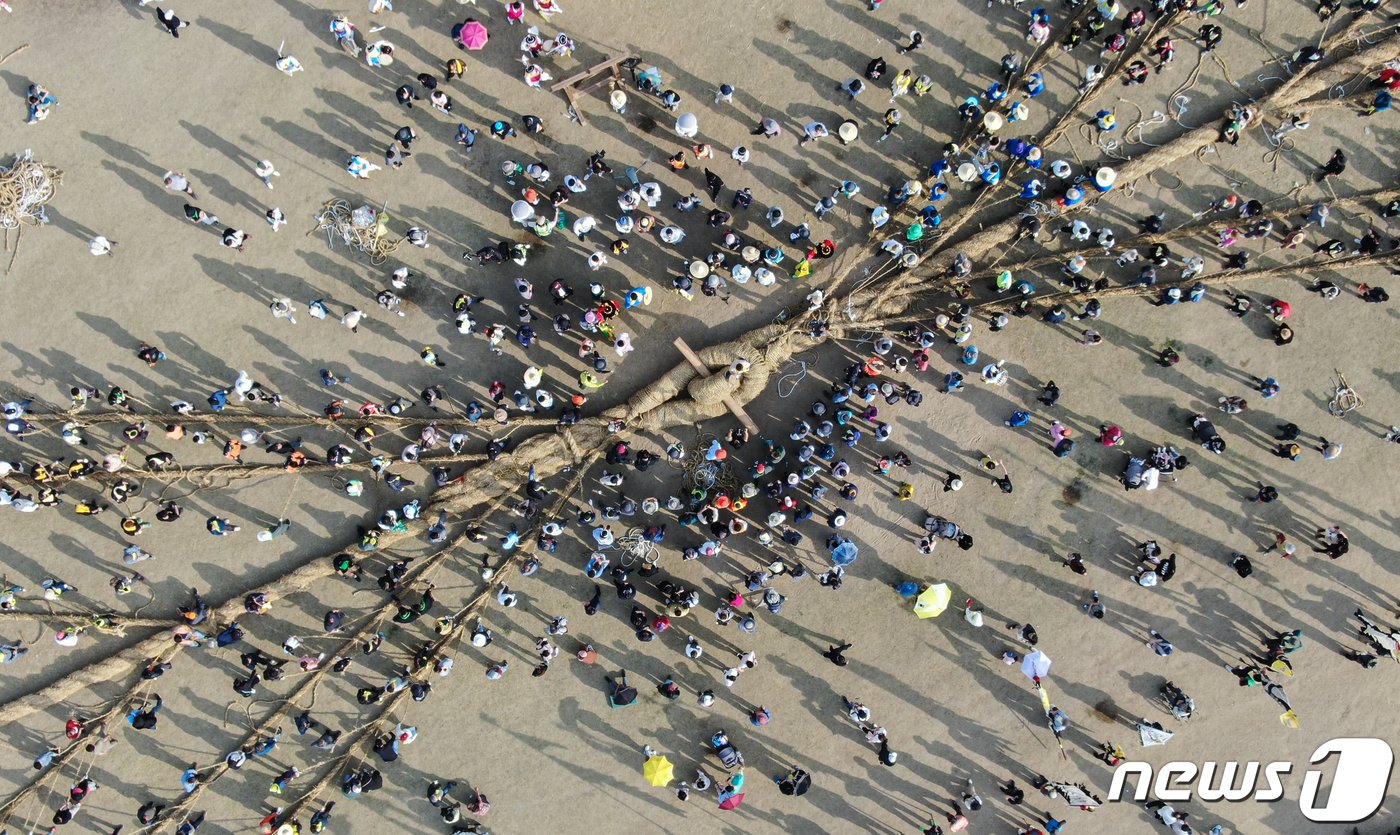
357 166
170 21
266 171
1241 564
197 215
1282 544
1335 165
39 100
142 717
235 238
176 181
892 119
1335 542
1267 493
1159 644
887 757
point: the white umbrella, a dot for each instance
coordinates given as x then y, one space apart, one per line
1153 736
521 212
1036 665
1074 795
687 125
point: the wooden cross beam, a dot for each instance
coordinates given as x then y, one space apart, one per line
729 402
571 89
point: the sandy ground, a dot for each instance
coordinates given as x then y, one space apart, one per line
551 754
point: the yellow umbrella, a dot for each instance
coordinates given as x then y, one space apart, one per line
658 771
934 601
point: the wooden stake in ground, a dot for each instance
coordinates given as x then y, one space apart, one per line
730 403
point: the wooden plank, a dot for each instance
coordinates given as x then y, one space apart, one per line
610 63
573 104
602 82
695 362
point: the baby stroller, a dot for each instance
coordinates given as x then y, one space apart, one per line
729 756
1180 704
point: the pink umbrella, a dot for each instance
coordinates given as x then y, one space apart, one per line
472 35
731 802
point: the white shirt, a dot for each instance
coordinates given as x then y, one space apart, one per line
99 246
176 181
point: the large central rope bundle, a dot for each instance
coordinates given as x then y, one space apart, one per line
364 229
26 187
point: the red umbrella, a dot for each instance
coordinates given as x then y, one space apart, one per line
472 35
731 802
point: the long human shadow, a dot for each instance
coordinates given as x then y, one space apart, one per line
153 193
